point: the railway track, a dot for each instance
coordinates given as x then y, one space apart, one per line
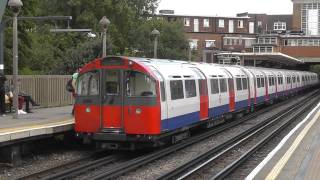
133 164
115 165
72 168
220 161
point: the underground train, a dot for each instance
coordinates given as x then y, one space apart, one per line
127 103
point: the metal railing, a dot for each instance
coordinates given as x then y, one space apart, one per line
47 90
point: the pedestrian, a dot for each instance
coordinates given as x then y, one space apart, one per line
2 95
28 100
74 85
9 94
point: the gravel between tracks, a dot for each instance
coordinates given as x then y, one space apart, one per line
41 161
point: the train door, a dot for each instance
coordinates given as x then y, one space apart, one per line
203 94
232 95
112 100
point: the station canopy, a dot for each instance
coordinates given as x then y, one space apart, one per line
275 57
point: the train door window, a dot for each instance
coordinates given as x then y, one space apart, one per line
270 81
262 81
245 83
112 82
139 84
258 82
88 84
214 86
203 89
223 85
163 91
190 88
176 88
239 84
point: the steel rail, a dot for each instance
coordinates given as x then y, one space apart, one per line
227 145
140 161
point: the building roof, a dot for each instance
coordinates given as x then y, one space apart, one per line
199 16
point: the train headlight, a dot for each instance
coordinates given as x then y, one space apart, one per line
88 109
138 111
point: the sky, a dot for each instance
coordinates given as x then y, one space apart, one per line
226 7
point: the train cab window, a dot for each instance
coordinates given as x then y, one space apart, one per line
239 84
214 86
245 83
88 84
223 85
176 88
190 88
139 84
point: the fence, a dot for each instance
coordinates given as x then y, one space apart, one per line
47 90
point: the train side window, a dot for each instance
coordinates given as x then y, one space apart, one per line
176 88
88 84
214 86
239 84
223 85
245 83
139 84
190 88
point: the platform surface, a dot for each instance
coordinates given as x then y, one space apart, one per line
41 122
297 156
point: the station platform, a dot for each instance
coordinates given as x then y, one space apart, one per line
43 121
297 156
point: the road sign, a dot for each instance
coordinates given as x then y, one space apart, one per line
3 4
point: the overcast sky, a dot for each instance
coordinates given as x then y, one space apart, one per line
226 7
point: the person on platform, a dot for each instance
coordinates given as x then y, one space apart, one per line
9 94
28 100
2 95
74 85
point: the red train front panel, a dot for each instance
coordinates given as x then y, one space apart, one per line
128 101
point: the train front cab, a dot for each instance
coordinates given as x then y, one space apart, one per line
118 100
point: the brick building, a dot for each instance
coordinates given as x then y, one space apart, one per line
213 34
295 35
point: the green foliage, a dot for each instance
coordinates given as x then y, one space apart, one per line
315 68
42 52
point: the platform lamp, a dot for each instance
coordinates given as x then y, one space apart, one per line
15 5
155 33
104 23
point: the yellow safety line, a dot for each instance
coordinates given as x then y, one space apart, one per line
32 127
279 166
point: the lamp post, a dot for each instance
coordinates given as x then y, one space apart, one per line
104 23
155 33
15 6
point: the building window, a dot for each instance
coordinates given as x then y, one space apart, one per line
221 23
312 25
193 43
279 26
186 21
206 23
240 23
259 23
210 43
